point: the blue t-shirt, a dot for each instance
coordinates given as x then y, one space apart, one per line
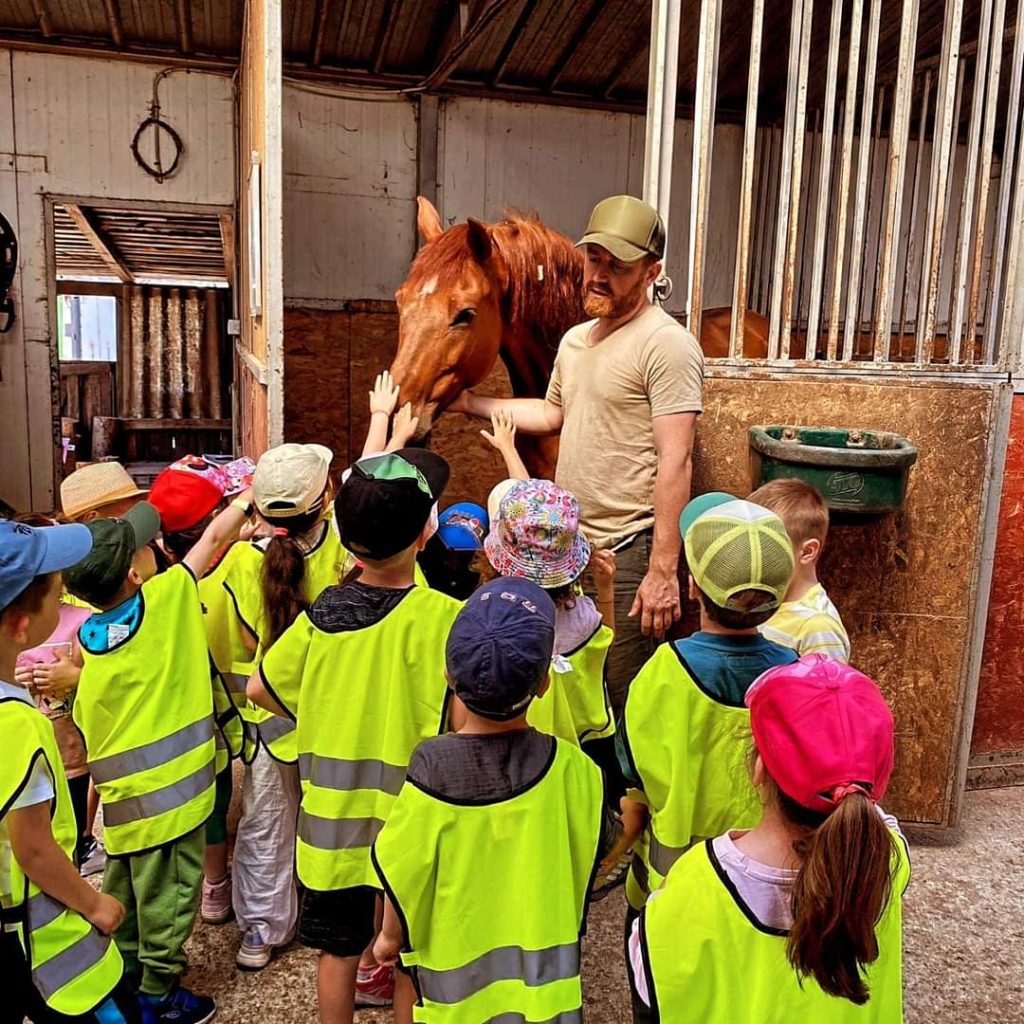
726 664
103 631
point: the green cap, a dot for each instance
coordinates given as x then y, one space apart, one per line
115 543
627 227
696 507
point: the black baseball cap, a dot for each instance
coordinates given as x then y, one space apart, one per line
115 542
499 647
385 502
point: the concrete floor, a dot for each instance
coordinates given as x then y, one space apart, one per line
964 938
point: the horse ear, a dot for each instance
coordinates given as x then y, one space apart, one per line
428 220
479 238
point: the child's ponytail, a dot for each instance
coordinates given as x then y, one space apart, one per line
284 573
840 893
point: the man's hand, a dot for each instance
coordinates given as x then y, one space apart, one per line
657 602
462 402
107 914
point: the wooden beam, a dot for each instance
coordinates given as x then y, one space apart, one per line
384 37
451 60
183 19
227 242
114 22
86 223
579 35
501 64
44 18
316 42
611 83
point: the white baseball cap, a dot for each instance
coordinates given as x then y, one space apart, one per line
290 479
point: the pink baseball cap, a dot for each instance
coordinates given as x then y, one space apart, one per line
823 730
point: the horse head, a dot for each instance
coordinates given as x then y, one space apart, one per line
450 318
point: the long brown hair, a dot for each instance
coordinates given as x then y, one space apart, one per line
840 892
284 572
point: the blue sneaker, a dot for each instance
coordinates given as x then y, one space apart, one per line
180 1006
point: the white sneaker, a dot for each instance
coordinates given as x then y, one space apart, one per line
253 954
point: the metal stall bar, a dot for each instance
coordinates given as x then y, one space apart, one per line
931 253
860 198
967 196
914 192
805 205
824 177
661 105
1006 168
760 137
846 159
1012 301
765 238
985 174
703 143
879 159
739 295
899 136
785 238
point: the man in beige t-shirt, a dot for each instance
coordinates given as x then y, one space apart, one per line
625 393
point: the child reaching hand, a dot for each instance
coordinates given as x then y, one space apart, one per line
383 402
503 439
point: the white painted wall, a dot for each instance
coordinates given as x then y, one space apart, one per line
66 125
350 197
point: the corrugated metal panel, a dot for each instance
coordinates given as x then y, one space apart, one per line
350 189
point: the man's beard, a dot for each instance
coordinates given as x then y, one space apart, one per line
608 307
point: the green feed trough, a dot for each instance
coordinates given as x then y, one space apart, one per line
854 470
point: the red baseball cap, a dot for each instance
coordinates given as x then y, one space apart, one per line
184 497
823 730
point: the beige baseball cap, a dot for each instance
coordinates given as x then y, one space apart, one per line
290 479
627 227
96 485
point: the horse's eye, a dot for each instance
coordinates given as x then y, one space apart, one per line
463 318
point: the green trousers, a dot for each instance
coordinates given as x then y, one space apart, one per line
160 890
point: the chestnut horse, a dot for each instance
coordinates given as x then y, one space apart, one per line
479 291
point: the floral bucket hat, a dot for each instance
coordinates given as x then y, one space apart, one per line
537 535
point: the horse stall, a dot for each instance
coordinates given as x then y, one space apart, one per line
841 184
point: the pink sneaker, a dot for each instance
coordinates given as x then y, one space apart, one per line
216 905
375 986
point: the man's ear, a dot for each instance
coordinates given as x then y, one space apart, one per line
653 272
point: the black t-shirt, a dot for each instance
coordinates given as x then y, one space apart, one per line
485 769
353 606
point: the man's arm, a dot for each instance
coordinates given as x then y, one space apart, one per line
657 599
531 415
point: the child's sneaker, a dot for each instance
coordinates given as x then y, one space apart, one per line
375 986
92 857
216 904
180 1006
254 953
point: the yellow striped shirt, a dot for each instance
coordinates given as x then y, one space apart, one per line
809 626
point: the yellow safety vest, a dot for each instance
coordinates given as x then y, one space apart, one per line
575 706
145 710
711 964
227 652
362 701
493 896
690 752
326 564
74 967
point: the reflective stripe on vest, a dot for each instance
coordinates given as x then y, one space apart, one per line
138 759
52 975
345 776
569 1017
663 856
42 910
274 728
160 801
236 682
337 834
531 966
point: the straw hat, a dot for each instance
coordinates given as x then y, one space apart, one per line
96 485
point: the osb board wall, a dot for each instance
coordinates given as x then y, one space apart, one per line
903 583
330 361
999 720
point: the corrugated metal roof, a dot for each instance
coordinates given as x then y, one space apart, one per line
562 49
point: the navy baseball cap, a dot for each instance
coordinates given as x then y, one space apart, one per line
499 648
29 551
462 527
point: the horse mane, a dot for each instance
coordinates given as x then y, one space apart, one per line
544 308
